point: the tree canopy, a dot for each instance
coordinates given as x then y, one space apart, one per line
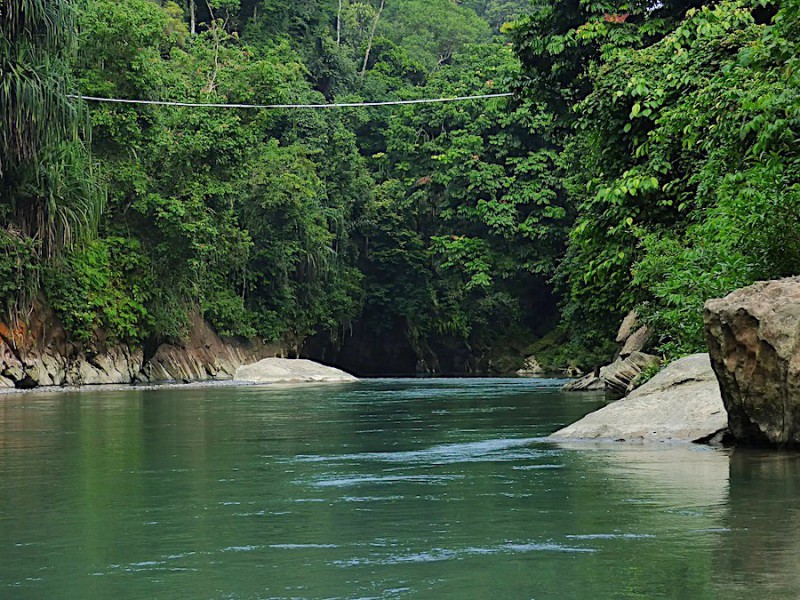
648 160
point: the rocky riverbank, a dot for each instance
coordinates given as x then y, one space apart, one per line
747 389
38 353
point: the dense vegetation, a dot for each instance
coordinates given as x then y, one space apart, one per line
648 159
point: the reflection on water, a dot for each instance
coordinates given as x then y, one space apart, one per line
686 475
764 509
385 489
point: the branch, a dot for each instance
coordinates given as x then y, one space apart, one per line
371 38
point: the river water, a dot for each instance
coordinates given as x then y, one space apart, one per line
380 489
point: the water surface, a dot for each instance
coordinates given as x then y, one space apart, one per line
381 489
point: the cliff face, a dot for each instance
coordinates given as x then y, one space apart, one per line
38 352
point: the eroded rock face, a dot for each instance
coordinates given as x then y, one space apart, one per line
753 336
629 324
204 356
637 342
38 353
590 382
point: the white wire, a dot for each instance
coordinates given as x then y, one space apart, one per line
275 106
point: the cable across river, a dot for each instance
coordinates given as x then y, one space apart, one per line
288 106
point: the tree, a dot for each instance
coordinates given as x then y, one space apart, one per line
47 183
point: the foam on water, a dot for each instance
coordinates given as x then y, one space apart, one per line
484 450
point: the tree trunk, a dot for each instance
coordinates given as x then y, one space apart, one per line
193 16
339 25
371 38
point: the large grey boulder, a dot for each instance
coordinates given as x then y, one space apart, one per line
753 336
681 403
290 370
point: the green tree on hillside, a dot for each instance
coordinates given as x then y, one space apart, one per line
49 199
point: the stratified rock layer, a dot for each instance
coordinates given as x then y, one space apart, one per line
620 375
588 383
753 337
681 403
38 353
531 368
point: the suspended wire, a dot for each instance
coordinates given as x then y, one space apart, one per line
289 106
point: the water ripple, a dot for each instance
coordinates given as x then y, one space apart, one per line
446 554
388 479
486 450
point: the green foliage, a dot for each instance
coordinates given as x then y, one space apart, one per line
680 155
47 188
249 229
468 217
101 288
19 270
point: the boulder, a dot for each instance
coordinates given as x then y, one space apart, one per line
290 370
620 375
629 324
681 403
753 336
531 368
636 342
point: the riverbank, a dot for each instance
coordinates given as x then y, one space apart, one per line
270 371
39 353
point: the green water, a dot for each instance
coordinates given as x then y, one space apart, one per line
382 489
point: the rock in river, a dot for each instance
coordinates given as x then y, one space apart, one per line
753 336
290 370
681 403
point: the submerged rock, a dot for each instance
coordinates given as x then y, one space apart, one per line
681 403
290 370
753 337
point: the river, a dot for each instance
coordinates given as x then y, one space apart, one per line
380 489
